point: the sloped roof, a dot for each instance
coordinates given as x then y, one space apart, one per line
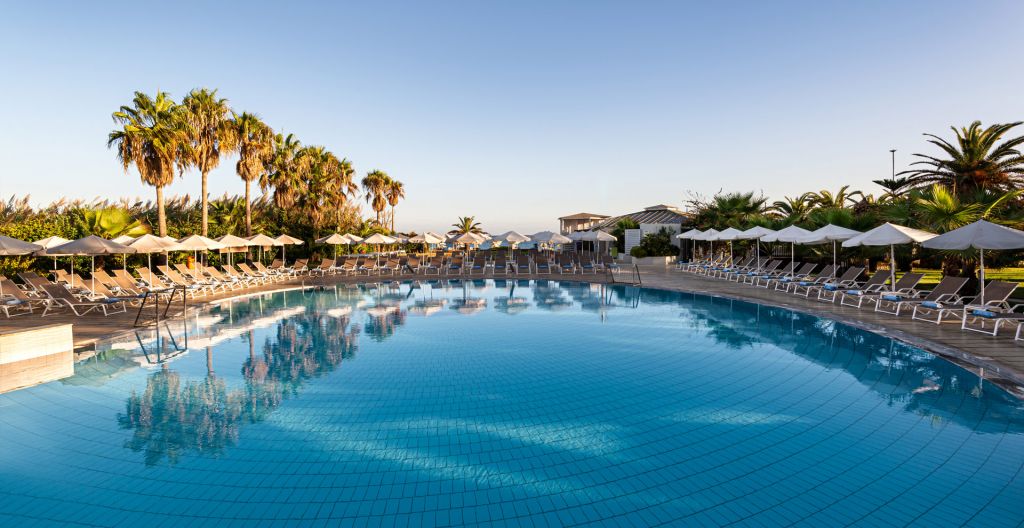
655 214
583 216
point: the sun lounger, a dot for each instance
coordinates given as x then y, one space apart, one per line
905 285
945 291
785 281
996 295
874 283
59 296
828 286
542 266
14 301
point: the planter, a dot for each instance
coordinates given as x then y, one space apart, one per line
663 262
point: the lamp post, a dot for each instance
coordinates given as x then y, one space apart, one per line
893 152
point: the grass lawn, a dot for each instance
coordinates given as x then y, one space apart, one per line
932 276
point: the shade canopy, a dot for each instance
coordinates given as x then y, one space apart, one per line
50 242
152 244
888 235
755 232
706 235
467 238
201 243
592 236
688 235
352 238
13 246
550 238
124 239
829 233
263 240
91 245
236 241
333 240
790 234
426 238
513 237
979 235
289 240
729 233
378 238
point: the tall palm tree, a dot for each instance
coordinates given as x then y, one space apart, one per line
466 224
208 125
151 139
255 151
345 188
395 191
976 162
374 185
894 187
284 173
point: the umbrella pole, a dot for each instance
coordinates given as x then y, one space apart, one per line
981 273
833 259
892 267
792 258
92 276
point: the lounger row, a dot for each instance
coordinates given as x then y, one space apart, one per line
946 302
112 292
477 265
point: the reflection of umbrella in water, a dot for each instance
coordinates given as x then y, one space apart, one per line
338 313
427 307
511 305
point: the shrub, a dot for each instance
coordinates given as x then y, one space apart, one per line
638 252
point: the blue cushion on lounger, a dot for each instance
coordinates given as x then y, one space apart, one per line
831 287
110 300
12 302
983 313
805 283
854 292
894 298
931 304
786 279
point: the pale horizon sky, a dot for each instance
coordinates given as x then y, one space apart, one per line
522 112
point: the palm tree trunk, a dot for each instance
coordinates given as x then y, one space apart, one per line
248 209
161 215
206 206
392 219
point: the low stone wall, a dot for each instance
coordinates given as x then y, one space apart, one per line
38 355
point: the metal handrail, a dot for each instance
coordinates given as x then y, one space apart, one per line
155 295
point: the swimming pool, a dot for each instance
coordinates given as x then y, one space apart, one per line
542 403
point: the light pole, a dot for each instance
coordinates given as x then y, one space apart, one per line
893 152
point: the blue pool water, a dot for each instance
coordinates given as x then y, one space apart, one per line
555 403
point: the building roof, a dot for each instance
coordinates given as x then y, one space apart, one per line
583 216
655 214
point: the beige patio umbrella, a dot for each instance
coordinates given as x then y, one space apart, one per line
48 243
334 240
980 235
150 244
378 239
263 241
234 244
13 247
287 240
197 243
90 246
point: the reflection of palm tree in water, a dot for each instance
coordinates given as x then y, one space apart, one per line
170 418
380 327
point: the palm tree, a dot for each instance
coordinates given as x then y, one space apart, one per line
110 222
375 185
731 209
283 173
824 198
255 152
466 224
793 209
394 192
345 188
150 138
976 162
894 187
208 125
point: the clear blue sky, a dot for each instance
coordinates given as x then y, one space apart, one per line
519 112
